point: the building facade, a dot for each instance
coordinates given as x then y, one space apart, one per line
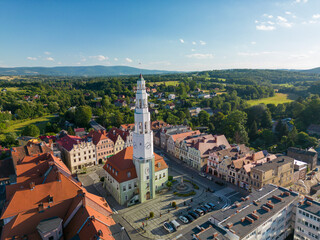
307 222
77 152
104 145
309 156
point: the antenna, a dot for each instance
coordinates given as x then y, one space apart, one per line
140 67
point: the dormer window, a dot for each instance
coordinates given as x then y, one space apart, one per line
128 174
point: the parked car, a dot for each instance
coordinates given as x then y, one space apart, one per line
194 214
210 208
189 217
183 219
199 211
219 183
204 209
202 174
175 224
211 204
210 177
168 227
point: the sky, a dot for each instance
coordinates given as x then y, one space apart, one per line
181 35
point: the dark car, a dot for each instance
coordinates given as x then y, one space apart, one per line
194 214
211 204
189 217
204 209
210 208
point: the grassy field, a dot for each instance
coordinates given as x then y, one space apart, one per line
278 98
18 125
13 89
167 83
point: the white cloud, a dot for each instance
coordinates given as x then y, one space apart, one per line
193 50
50 59
316 16
301 1
116 59
284 22
253 43
251 54
194 43
267 15
99 57
181 40
59 63
271 23
129 60
264 27
288 13
201 55
202 42
32 58
47 53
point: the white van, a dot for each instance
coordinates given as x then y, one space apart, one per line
175 224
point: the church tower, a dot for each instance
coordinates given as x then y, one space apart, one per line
143 157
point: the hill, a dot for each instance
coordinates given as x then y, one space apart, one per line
313 70
79 71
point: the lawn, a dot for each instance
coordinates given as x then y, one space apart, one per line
18 125
13 89
167 83
278 98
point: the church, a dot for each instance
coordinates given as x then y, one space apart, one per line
136 173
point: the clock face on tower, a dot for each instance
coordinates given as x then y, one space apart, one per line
148 145
147 170
134 145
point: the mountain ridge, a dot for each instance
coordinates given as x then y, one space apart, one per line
97 70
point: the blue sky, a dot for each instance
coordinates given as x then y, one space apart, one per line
168 34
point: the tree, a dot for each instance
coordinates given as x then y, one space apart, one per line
151 214
71 131
31 130
83 115
253 131
10 139
203 118
173 204
169 184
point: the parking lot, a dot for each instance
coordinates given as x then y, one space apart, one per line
134 218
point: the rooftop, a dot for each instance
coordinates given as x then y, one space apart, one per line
274 164
311 206
246 215
301 151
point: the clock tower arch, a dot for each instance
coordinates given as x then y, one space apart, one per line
143 156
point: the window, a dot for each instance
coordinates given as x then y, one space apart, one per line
128 174
124 188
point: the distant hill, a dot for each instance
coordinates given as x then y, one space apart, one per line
79 71
313 70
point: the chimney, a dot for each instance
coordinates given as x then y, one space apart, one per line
255 216
215 235
59 177
266 208
270 205
84 204
242 219
32 185
309 203
40 207
229 225
249 219
309 198
50 199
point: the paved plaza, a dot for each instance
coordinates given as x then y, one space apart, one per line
134 218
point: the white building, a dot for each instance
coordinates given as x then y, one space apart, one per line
307 220
264 214
135 174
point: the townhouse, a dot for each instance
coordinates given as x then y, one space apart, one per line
104 146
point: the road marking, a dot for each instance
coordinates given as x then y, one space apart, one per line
233 195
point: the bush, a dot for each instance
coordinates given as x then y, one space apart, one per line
170 178
102 179
173 204
151 215
185 194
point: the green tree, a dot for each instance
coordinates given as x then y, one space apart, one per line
31 130
71 131
83 115
253 131
203 118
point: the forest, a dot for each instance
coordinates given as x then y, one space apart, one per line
77 99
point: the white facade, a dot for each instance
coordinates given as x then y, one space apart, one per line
307 224
143 157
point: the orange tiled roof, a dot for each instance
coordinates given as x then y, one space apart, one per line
129 126
122 163
30 149
97 136
184 135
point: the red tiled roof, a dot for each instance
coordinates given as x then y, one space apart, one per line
184 135
79 130
97 136
68 141
115 132
129 126
30 149
122 163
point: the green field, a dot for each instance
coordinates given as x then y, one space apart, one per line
13 89
18 125
278 98
167 83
